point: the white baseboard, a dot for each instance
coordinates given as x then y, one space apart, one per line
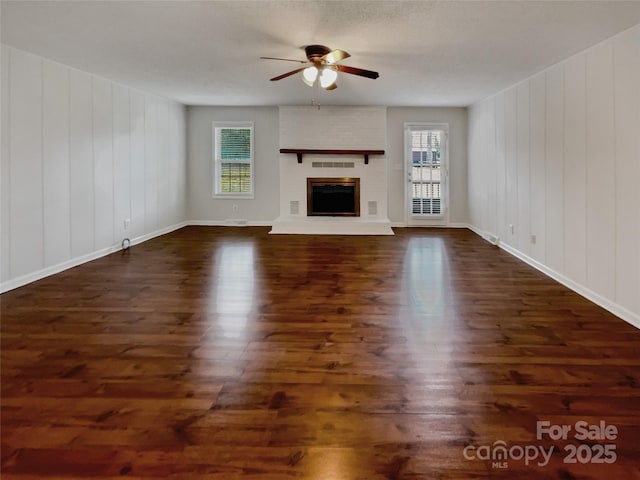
74 262
618 310
448 225
157 233
231 222
262 223
489 237
457 225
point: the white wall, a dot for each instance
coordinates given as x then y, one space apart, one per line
558 157
80 154
203 208
457 120
266 206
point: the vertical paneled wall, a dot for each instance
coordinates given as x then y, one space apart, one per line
80 154
563 152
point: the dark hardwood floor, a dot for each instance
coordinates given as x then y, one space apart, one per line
228 353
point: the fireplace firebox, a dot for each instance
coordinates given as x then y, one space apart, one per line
333 197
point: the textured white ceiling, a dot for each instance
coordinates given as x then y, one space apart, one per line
428 53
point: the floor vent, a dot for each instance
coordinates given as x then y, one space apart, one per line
236 222
492 239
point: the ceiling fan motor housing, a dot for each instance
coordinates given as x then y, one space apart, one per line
316 52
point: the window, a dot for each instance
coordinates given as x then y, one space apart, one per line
426 156
233 159
426 172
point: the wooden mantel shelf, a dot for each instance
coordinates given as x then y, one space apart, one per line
314 151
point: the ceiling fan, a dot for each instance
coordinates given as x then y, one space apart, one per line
322 65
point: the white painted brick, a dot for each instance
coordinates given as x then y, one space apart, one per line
337 128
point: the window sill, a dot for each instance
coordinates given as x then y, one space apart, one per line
233 196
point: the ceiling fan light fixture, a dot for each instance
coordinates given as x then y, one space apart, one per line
328 77
322 66
309 75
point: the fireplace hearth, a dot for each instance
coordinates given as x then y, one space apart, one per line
333 197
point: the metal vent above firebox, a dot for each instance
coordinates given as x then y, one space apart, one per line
333 164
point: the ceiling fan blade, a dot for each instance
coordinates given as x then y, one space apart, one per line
358 71
283 59
288 74
335 56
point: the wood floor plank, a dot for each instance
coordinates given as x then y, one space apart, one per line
229 353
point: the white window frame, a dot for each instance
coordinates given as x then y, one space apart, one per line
442 218
216 193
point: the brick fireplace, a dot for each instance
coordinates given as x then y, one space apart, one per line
332 130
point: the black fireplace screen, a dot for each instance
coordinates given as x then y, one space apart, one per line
333 197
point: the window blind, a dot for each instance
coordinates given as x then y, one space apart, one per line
234 159
426 172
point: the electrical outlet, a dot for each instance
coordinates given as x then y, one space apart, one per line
533 239
127 222
235 208
511 229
